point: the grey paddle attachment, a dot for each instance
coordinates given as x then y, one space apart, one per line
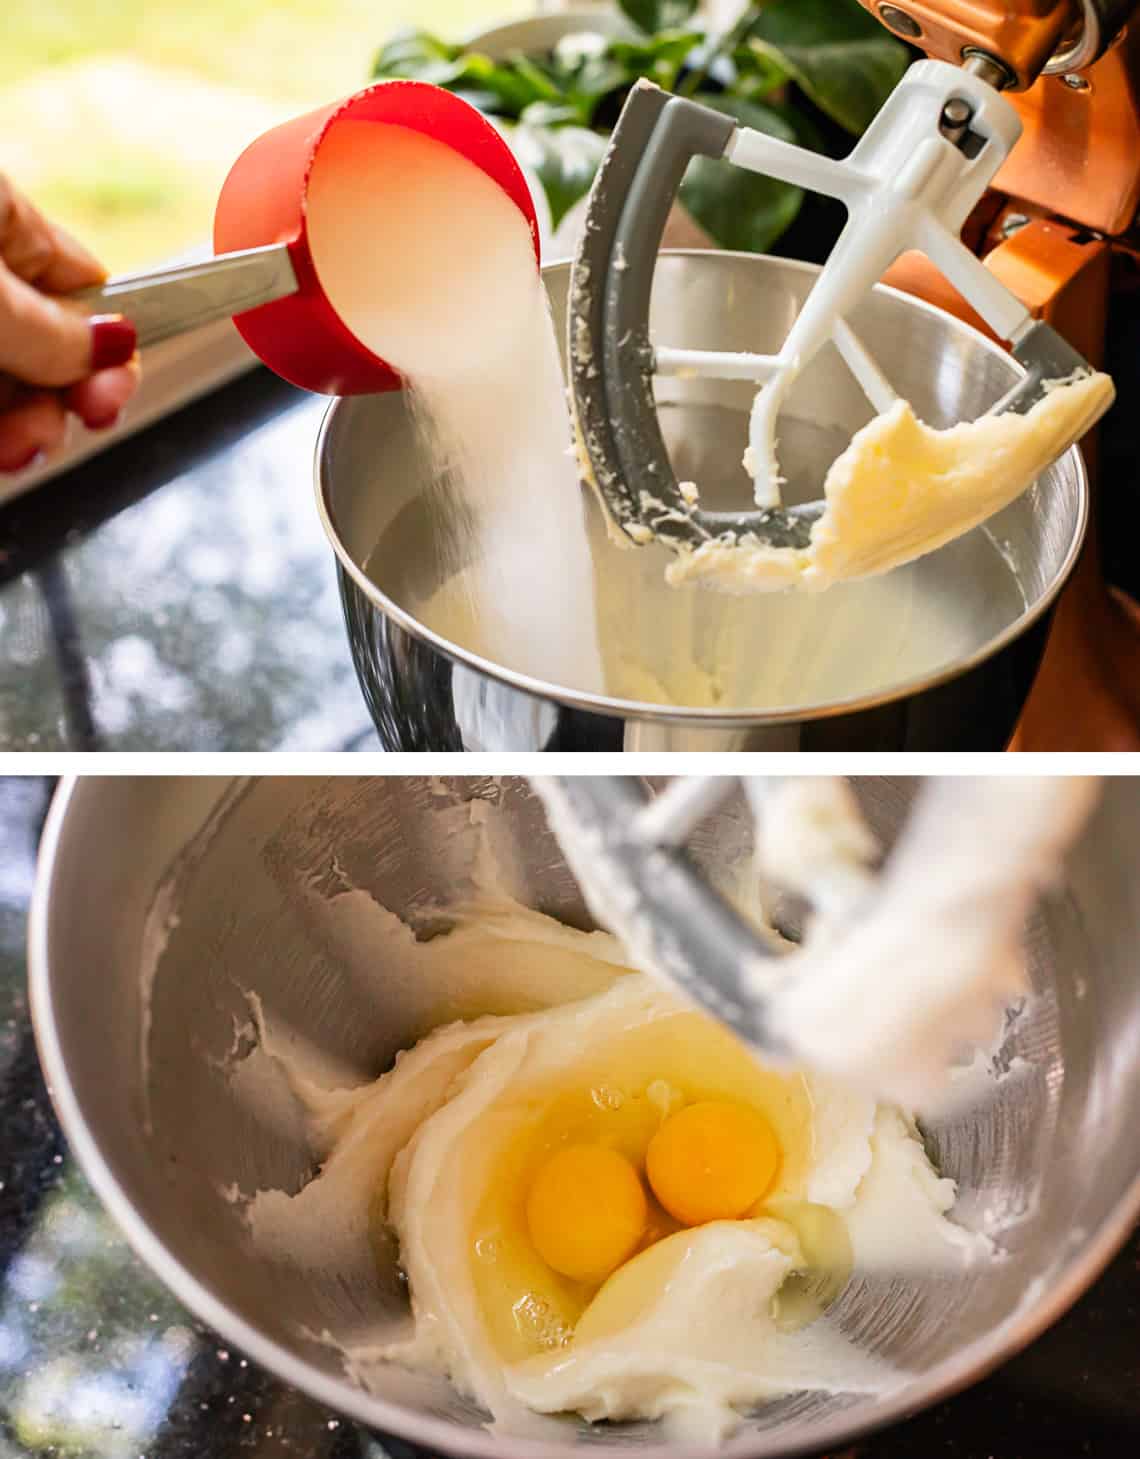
626 850
612 362
909 183
851 968
1047 358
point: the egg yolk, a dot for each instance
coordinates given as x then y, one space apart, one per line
613 1096
586 1212
712 1161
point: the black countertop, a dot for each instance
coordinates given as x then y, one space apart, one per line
177 592
96 1359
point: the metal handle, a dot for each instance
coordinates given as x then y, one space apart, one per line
1101 21
173 301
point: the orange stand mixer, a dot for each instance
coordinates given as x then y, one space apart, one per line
1000 181
1059 229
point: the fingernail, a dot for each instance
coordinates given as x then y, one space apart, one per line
102 422
25 463
113 342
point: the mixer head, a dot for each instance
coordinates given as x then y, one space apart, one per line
906 963
910 183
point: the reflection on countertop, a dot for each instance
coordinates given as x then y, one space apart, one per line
97 1359
177 592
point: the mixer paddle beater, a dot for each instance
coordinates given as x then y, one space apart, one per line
910 183
903 965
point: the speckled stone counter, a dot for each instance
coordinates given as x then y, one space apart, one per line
177 592
96 1359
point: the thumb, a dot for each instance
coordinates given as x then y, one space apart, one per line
48 342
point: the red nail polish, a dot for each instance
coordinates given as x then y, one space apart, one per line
103 422
25 463
114 341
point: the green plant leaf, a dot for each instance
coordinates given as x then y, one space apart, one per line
578 47
565 159
551 114
758 74
532 72
484 101
410 52
652 16
516 88
737 208
660 58
586 73
841 57
506 88
599 77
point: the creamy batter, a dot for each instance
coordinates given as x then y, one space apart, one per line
903 489
703 1320
765 652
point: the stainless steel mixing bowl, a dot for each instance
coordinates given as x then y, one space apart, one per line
427 691
160 900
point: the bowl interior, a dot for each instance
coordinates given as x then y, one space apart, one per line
691 648
152 938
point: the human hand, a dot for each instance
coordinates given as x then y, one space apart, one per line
54 359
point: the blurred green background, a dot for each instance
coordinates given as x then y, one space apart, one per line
122 117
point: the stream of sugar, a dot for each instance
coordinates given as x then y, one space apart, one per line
432 265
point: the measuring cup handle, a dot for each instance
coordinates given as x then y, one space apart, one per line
173 301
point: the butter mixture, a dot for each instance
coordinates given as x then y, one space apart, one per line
602 1203
903 489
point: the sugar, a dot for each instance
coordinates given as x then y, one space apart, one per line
432 266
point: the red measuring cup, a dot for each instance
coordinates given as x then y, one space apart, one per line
264 275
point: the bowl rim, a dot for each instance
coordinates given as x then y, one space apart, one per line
735 717
1038 1310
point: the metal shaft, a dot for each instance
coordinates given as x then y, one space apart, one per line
173 301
